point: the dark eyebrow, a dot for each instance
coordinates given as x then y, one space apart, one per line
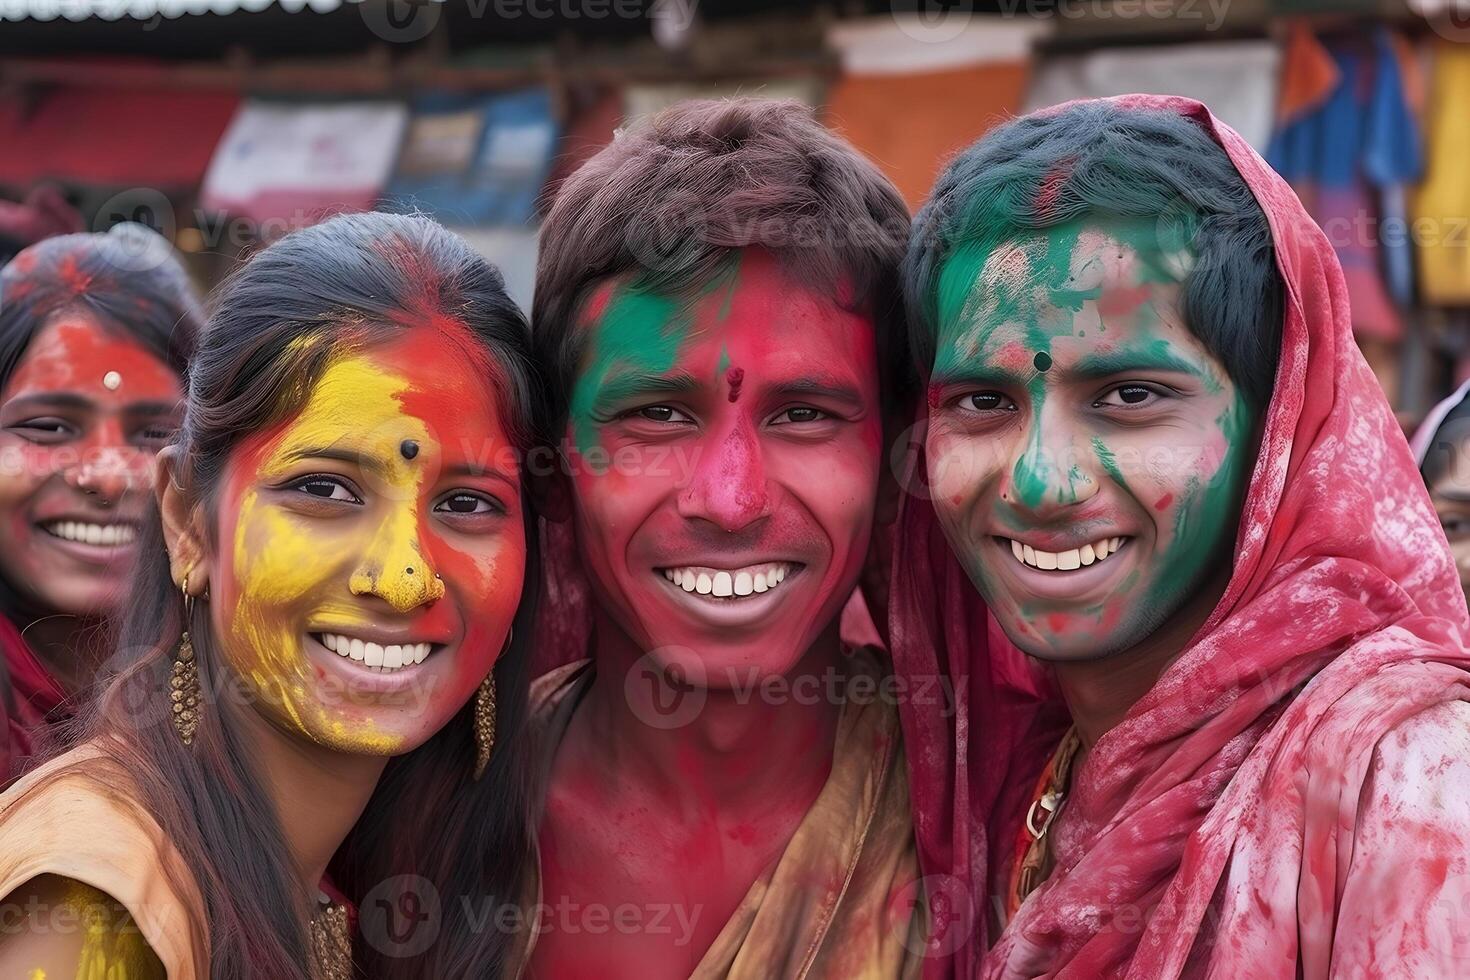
469 469
985 375
152 408
326 452
1096 366
1451 496
59 399
831 389
367 461
629 385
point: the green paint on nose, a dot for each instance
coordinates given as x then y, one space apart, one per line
1108 460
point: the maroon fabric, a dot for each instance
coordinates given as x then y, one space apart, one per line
128 137
34 696
1282 802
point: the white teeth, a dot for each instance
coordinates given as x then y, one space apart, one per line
383 658
728 583
1088 554
103 534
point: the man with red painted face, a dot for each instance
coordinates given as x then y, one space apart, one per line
716 313
1155 450
95 334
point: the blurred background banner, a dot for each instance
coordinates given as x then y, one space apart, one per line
227 123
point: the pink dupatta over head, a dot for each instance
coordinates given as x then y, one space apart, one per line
1286 799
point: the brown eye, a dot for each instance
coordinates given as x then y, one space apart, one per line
802 413
469 503
987 401
1129 396
325 488
663 413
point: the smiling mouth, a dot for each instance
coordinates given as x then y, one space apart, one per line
376 656
1065 561
731 584
82 532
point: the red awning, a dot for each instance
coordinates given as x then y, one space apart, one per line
145 137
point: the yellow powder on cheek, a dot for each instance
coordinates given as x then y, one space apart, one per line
287 572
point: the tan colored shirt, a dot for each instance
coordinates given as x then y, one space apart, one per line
859 832
60 820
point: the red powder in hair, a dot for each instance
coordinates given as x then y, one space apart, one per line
71 275
1051 186
735 377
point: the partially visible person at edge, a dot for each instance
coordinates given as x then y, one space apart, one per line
96 331
318 664
1440 448
718 316
1155 450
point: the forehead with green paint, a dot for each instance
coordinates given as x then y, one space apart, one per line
1008 300
633 333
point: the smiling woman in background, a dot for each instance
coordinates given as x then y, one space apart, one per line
1439 449
324 651
95 334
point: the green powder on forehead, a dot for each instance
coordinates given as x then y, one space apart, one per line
640 331
1025 277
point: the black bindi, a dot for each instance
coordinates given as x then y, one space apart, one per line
1042 360
408 448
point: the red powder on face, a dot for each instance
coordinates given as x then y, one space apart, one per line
1164 501
735 377
1057 622
1117 302
933 396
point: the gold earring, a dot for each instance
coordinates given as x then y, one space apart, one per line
485 716
184 684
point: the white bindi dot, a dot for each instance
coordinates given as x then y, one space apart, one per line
112 381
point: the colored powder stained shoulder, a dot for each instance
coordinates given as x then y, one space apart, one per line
735 377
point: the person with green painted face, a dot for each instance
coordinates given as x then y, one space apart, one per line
1224 726
718 315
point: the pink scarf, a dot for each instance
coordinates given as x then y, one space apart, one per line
1233 824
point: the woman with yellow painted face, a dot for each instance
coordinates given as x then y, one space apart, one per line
320 681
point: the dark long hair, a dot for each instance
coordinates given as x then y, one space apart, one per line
274 327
